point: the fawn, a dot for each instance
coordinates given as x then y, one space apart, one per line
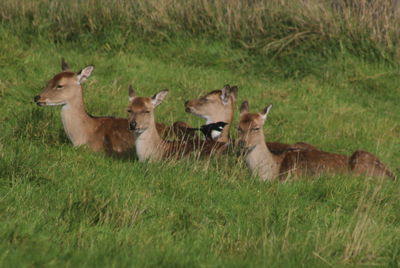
149 144
107 134
219 105
268 166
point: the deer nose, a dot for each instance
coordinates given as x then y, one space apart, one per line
132 125
36 98
187 109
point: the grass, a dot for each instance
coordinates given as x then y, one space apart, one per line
276 28
66 206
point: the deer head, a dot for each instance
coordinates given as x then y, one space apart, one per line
218 105
141 110
250 127
64 87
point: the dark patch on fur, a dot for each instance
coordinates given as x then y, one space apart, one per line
53 82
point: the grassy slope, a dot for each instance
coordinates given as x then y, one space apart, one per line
64 205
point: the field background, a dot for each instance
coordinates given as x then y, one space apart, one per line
330 68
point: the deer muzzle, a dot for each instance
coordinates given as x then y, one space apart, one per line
132 125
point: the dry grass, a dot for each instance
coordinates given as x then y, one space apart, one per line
267 26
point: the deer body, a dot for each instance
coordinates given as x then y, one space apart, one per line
98 133
77 123
149 144
262 162
300 163
267 166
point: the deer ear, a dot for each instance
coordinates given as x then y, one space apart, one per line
264 113
159 97
234 91
85 73
64 65
226 93
244 108
131 93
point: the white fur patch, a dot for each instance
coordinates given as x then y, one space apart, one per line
215 134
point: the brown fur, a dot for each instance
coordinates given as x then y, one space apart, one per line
365 163
183 131
312 162
178 149
298 162
280 148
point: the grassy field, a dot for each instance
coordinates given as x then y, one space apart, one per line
66 206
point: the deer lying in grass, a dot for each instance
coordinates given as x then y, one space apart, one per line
149 144
268 166
219 105
98 133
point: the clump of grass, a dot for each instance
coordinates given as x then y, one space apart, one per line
32 125
273 27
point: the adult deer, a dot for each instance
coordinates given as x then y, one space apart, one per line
219 105
107 134
268 166
149 144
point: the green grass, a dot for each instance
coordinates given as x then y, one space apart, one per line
65 206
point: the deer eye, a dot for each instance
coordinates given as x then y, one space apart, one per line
255 129
129 111
146 112
60 86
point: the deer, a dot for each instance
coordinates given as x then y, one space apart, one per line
150 146
107 134
219 105
267 166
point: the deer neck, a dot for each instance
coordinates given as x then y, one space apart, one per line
78 124
227 118
262 162
149 145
